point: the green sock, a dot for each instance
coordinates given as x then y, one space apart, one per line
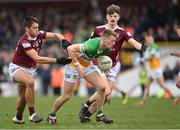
99 113
172 97
53 114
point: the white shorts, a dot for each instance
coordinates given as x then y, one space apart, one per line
72 75
154 74
112 75
13 68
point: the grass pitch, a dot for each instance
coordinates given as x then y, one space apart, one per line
155 114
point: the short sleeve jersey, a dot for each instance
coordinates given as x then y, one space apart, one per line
153 55
90 50
26 43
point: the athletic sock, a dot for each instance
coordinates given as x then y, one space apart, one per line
123 93
88 114
87 104
31 110
53 114
172 97
19 116
99 113
19 113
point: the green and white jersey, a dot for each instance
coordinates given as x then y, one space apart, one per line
90 50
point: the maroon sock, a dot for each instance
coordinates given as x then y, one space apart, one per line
20 111
19 116
31 110
88 114
88 103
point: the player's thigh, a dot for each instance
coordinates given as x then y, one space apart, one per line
22 77
160 81
111 84
178 82
68 87
149 81
96 80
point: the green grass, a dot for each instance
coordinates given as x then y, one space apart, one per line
157 113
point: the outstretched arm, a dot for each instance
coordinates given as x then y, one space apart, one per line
137 45
60 37
46 60
177 54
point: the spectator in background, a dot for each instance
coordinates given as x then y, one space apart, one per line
44 73
91 89
168 73
142 77
177 54
1 71
176 68
57 79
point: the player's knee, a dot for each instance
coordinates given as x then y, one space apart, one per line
102 88
30 83
66 97
108 93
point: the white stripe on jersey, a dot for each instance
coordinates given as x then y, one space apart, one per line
105 26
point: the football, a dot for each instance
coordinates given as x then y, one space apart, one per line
104 63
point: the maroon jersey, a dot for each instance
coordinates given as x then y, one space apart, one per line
27 43
123 36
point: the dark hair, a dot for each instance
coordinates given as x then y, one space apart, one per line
113 9
108 32
29 20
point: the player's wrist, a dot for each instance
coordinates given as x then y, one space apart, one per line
143 47
76 63
63 60
65 43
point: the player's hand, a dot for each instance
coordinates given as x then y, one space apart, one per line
106 72
81 70
63 60
65 44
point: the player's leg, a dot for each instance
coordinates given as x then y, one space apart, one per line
142 89
66 95
20 104
96 80
24 78
92 109
160 81
124 95
71 76
178 81
146 90
89 107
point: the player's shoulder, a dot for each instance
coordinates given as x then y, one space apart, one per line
120 29
23 38
100 28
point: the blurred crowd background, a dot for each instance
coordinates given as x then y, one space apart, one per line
76 19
